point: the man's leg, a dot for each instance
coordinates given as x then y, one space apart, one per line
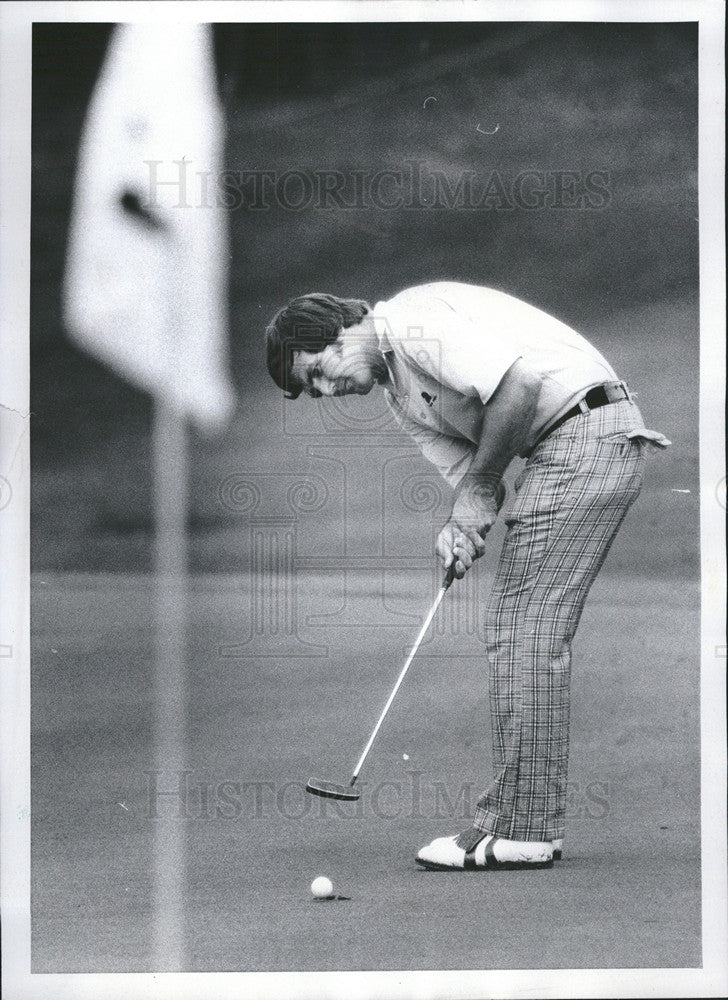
570 501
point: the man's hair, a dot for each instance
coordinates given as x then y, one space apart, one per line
307 323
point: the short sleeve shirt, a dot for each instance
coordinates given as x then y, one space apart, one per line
448 345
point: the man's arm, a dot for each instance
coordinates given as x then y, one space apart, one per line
507 420
452 457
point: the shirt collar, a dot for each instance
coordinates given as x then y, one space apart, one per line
385 347
381 326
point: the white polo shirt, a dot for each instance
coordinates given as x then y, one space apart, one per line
448 345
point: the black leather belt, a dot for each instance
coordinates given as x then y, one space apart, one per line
600 395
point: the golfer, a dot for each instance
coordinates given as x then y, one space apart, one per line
478 377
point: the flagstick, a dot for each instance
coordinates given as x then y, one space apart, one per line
170 473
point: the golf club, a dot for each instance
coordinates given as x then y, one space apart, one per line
331 790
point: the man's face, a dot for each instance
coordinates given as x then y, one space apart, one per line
342 369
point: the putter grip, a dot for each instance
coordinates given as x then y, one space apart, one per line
449 576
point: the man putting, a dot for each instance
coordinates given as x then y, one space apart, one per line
478 377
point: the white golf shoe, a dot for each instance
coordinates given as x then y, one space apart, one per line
445 854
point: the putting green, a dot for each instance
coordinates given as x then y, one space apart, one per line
625 895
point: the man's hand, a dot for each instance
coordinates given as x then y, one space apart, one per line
473 515
507 419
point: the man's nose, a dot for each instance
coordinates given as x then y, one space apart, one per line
324 386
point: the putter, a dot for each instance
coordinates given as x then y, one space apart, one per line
331 790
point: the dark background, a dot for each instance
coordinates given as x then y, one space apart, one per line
609 97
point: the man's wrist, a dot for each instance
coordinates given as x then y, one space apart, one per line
482 487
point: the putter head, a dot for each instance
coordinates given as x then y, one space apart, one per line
330 790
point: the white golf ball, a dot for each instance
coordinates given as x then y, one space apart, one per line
322 887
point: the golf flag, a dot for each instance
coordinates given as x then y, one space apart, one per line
146 271
145 292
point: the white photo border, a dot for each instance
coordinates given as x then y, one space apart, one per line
16 20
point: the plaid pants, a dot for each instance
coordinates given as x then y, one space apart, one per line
569 502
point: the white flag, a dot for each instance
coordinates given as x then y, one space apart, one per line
146 275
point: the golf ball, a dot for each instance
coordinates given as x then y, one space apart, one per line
322 887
